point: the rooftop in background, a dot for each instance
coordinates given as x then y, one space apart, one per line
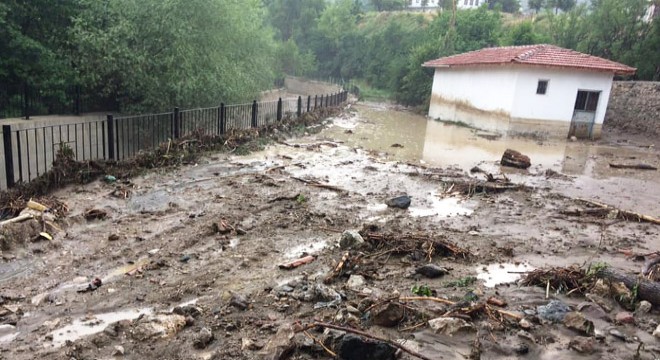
538 55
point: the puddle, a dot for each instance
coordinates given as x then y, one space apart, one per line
92 325
8 333
310 248
446 207
496 274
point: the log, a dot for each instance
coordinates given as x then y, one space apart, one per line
623 214
645 289
633 166
513 158
16 219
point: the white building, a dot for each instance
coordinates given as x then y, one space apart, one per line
469 4
421 4
535 89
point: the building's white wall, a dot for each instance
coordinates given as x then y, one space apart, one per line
485 88
558 102
429 4
469 4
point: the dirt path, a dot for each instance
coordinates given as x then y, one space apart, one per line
210 237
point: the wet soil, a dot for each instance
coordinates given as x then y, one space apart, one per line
211 236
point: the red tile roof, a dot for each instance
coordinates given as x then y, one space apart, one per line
542 55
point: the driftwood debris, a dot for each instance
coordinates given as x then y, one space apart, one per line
622 214
411 242
633 166
645 289
19 218
320 185
513 158
294 264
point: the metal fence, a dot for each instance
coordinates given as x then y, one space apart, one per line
30 152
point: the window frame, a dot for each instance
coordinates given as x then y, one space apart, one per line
545 86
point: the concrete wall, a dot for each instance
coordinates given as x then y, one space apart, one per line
559 100
634 107
504 99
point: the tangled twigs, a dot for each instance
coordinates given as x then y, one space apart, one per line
363 334
560 279
621 214
405 243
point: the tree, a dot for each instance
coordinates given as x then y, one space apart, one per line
536 5
388 5
522 33
141 53
509 6
563 5
293 19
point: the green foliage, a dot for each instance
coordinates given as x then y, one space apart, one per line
301 199
522 33
509 6
291 60
536 5
421 290
462 282
388 5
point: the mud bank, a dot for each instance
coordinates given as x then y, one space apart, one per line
189 262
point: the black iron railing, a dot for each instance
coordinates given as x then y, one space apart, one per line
29 152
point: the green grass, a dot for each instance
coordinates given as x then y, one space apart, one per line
369 93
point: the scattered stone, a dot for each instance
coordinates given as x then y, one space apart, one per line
644 307
621 293
52 324
353 310
431 271
526 335
158 326
525 324
625 317
599 334
387 315
119 351
355 282
113 237
656 332
513 158
203 338
450 326
593 311
184 258
401 202
521 349
350 239
188 310
354 347
600 288
554 311
576 321
280 345
618 334
239 301
249 344
583 345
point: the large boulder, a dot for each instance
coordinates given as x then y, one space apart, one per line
513 158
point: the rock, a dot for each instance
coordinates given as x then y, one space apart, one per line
521 349
280 345
593 311
583 345
526 335
618 334
576 321
203 338
239 301
573 138
644 307
158 326
431 271
353 310
450 326
625 317
554 311
113 237
388 315
656 332
39 299
350 239
401 202
525 324
355 282
119 351
621 293
249 344
513 158
188 310
354 347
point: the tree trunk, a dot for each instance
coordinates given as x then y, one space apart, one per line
645 289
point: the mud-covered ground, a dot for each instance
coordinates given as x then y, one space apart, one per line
189 259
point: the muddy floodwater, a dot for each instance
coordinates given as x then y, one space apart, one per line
200 262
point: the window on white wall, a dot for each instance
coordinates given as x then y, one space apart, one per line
542 87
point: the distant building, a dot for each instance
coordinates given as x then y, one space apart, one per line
469 4
534 89
421 4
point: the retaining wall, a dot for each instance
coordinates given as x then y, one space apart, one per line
634 108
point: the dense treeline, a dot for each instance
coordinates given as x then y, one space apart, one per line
386 49
134 55
148 55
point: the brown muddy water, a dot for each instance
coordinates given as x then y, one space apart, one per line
377 127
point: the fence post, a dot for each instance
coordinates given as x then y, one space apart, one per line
315 105
221 118
299 106
254 114
309 100
176 124
9 155
110 121
26 104
279 109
